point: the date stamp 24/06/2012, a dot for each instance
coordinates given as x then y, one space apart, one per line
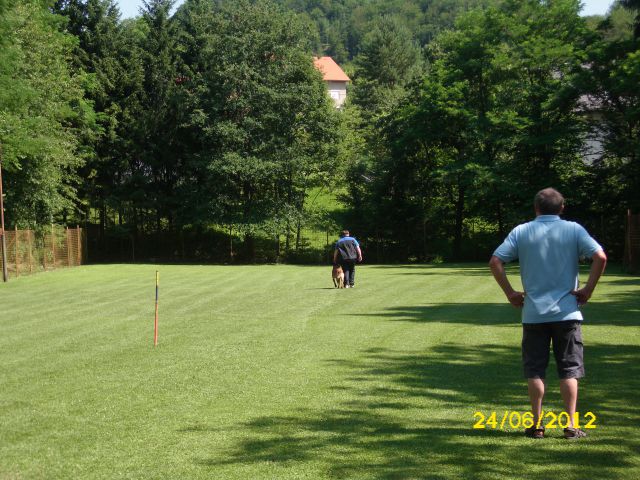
515 419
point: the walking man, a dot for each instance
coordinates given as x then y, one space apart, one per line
346 253
548 249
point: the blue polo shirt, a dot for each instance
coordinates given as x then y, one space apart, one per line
548 249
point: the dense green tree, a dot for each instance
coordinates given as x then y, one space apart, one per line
342 24
43 112
547 132
157 123
617 25
494 121
389 60
109 54
215 120
633 5
610 81
259 108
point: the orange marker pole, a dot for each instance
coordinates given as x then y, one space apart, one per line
155 323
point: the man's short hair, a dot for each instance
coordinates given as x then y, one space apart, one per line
549 201
344 233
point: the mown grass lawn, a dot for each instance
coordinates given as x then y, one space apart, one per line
265 372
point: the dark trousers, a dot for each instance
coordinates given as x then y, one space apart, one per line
349 269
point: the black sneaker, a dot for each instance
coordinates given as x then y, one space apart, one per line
574 433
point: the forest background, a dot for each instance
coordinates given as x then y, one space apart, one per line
208 135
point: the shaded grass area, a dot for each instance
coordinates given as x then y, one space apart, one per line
265 372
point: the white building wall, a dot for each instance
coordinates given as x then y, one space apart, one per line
338 91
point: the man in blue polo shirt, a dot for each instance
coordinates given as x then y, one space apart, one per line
346 253
549 249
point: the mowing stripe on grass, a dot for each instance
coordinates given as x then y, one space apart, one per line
268 372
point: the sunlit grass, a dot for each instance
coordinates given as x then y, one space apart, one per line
267 372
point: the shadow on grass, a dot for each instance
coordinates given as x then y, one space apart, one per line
469 313
478 270
618 309
631 281
398 415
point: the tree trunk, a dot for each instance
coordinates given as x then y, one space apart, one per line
424 230
103 227
134 236
250 247
424 240
457 239
500 221
299 223
287 241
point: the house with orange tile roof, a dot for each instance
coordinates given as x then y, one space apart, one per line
334 77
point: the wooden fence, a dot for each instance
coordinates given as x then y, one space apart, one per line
29 251
632 244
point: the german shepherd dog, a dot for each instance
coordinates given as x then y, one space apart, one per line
338 276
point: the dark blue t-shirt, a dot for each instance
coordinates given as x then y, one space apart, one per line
348 248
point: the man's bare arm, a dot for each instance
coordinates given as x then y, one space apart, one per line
597 269
497 268
359 253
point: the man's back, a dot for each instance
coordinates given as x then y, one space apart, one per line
348 248
548 249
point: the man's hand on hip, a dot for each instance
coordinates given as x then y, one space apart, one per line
497 269
582 295
597 268
516 299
